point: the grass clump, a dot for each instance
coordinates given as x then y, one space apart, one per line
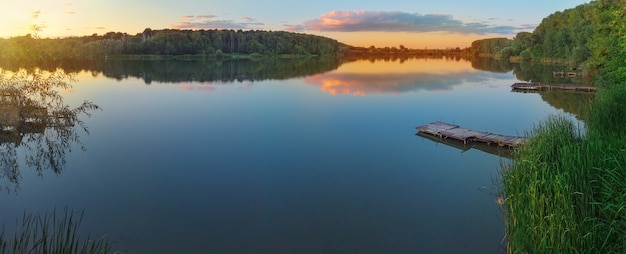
51 233
565 192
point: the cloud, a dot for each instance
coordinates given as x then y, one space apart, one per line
210 22
367 21
390 83
354 83
249 19
70 12
529 27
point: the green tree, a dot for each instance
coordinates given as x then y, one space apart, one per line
506 53
255 47
526 55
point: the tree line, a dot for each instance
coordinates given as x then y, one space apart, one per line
204 43
214 43
407 52
591 34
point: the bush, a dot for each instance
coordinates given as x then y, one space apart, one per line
525 56
506 53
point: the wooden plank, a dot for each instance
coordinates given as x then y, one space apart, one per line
436 127
445 130
462 134
539 86
495 150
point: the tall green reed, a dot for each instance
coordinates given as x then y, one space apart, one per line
52 233
565 191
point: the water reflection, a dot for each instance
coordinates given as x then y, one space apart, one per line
491 149
218 71
491 65
35 121
362 83
339 76
537 72
576 103
366 77
573 102
544 73
358 176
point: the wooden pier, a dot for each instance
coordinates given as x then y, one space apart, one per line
502 151
445 131
540 87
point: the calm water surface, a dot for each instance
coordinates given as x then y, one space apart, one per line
325 162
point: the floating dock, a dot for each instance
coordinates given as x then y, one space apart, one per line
501 151
540 87
445 131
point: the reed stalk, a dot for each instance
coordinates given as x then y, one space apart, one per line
565 191
52 233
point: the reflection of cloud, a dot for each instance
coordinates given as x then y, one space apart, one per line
70 12
249 19
394 83
246 85
209 22
203 87
207 87
358 21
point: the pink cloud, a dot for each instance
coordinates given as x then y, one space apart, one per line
396 21
210 22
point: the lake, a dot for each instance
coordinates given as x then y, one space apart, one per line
281 156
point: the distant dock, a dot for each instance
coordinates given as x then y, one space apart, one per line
540 87
445 131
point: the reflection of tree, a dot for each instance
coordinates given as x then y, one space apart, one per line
224 71
573 102
491 65
405 57
542 72
73 66
34 119
173 71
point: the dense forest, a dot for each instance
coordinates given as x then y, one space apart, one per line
373 51
564 191
210 43
197 44
589 34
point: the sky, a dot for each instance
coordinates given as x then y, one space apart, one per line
411 23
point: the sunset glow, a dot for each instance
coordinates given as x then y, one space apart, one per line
409 40
412 66
363 77
441 24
